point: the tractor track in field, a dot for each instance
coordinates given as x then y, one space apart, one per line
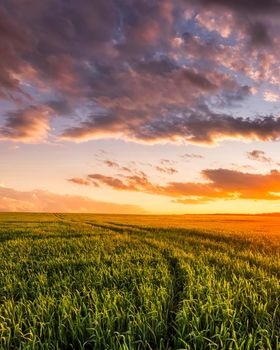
175 270
177 287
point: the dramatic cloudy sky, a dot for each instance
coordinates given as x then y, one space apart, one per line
156 106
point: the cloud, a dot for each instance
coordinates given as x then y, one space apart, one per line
44 201
247 6
136 183
193 126
108 180
80 181
59 41
27 125
219 184
165 167
271 96
130 69
13 39
221 24
166 170
259 156
259 34
111 164
149 107
188 156
246 185
116 165
167 162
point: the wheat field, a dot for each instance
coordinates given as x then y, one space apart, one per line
70 281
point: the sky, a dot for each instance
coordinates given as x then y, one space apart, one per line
140 106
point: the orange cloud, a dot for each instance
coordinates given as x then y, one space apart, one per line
219 184
80 181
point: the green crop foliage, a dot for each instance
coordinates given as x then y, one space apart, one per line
116 282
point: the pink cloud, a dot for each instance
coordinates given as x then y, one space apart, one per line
30 125
44 201
119 69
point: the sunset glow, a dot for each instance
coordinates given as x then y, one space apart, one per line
163 107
